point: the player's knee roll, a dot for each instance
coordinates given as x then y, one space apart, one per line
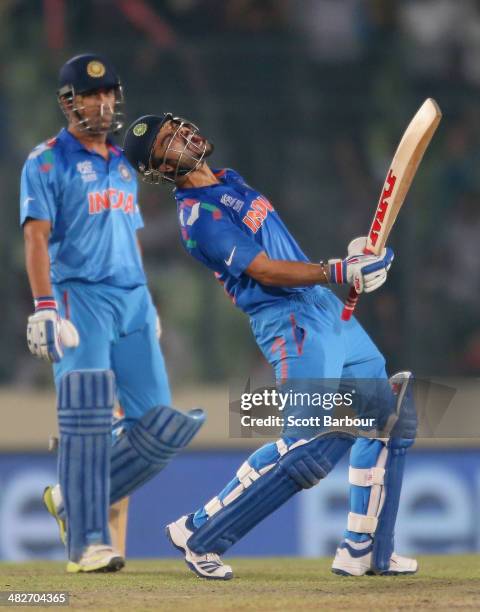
163 431
401 426
143 451
307 464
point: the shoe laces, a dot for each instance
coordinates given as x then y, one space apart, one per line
213 557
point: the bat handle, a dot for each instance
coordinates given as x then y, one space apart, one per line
350 304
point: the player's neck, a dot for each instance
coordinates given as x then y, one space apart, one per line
202 177
92 142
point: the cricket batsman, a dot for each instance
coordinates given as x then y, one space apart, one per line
234 230
94 318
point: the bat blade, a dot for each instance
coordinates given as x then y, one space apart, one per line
400 175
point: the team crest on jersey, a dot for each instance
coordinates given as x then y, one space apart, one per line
124 172
257 213
86 171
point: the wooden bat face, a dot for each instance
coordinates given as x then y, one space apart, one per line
406 160
408 156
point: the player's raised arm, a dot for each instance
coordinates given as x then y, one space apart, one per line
364 272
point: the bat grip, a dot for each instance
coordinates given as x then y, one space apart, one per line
350 304
351 301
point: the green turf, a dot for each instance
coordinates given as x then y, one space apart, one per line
290 584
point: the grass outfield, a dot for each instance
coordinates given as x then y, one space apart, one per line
290 584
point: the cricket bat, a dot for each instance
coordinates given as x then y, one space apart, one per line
403 168
118 525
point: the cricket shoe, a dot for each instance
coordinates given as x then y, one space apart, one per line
97 558
208 566
52 501
355 559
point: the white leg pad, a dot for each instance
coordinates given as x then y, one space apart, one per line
374 478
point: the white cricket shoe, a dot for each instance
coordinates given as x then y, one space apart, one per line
205 566
355 559
97 558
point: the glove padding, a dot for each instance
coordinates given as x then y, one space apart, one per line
48 334
365 272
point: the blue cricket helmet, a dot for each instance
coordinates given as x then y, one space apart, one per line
87 72
139 145
83 74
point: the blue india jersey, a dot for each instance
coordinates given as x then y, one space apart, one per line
225 226
92 205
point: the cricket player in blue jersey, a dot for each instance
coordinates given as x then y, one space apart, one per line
94 317
234 230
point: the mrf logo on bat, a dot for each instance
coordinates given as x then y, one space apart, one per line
382 207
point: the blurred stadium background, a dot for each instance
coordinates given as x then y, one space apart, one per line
308 99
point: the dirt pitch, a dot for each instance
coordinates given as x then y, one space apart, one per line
443 583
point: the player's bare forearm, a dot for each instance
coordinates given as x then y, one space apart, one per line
279 273
37 260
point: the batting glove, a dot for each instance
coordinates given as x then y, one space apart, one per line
365 272
48 333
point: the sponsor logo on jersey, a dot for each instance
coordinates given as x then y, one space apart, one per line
257 213
111 199
86 171
230 258
232 202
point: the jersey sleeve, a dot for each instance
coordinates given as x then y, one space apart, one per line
216 241
37 194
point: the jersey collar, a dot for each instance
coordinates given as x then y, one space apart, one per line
72 144
219 173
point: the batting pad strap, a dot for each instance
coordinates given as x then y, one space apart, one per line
361 523
366 477
213 506
282 447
